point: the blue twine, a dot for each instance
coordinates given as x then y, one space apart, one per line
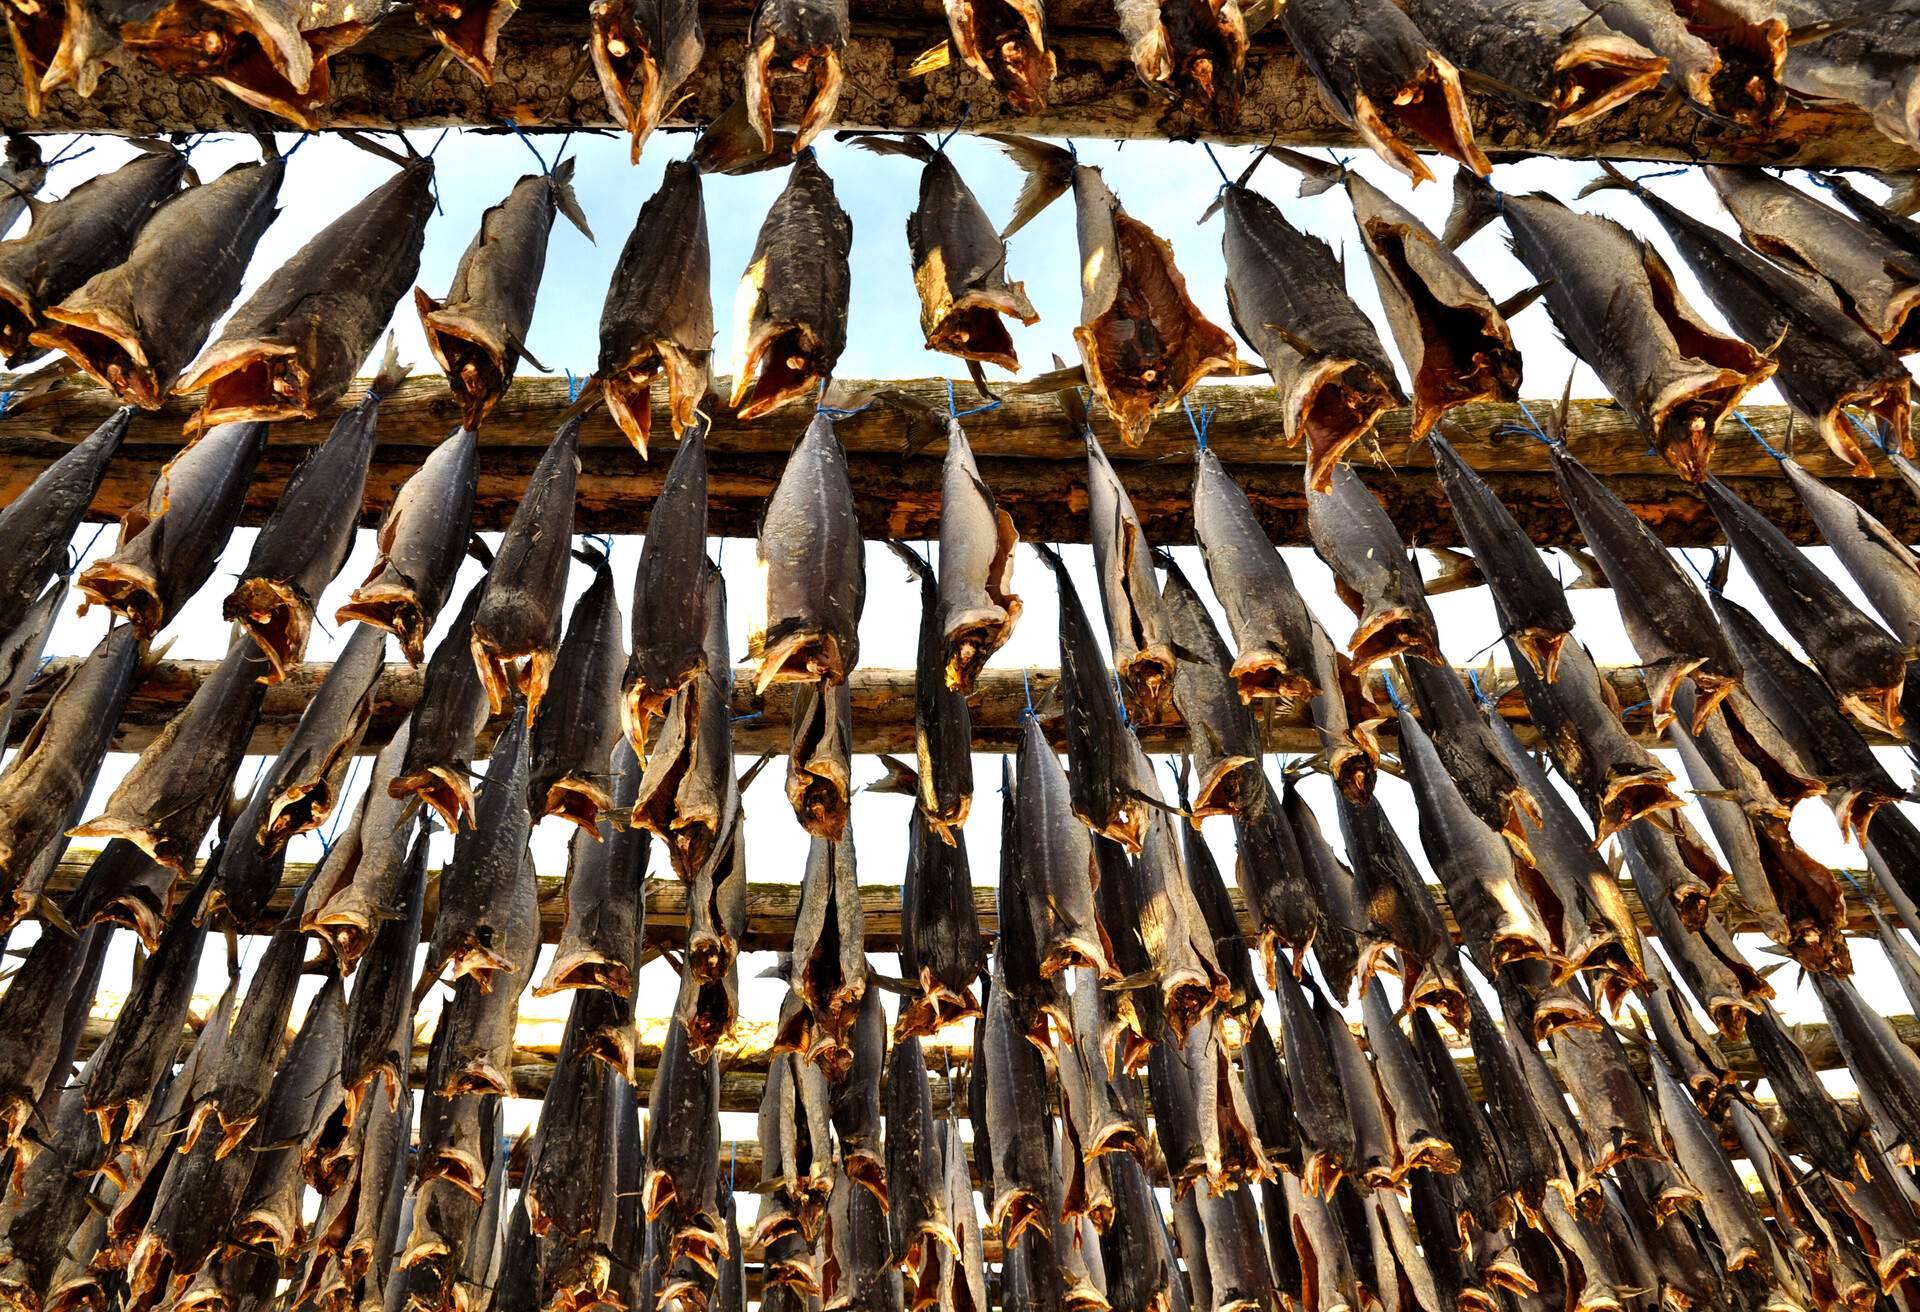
1480 697
1226 183
305 137
1625 711
573 386
1201 422
604 541
328 838
750 715
61 154
1533 425
41 668
90 541
1126 717
1859 427
957 414
1393 694
966 108
836 412
1755 434
437 140
1663 173
1026 681
6 401
527 141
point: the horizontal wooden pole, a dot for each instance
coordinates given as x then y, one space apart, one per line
1027 453
395 80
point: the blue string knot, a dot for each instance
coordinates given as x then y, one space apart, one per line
1755 434
573 385
1199 422
966 108
1480 696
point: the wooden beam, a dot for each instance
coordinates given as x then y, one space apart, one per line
1029 457
396 79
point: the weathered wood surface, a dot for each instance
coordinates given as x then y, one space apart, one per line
1027 453
396 79
882 708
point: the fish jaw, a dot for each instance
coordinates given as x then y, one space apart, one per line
1389 633
1688 414
126 590
347 930
578 800
801 656
390 606
969 326
277 618
474 361
181 39
505 673
1887 402
108 349
1333 406
619 57
32 36
20 318
472 38
249 380
780 364
1264 672
935 1008
1147 677
1599 74
1005 42
629 397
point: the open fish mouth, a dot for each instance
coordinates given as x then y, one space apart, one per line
1629 796
1886 402
1432 107
619 57
577 800
506 674
475 364
1595 76
276 619
819 798
825 77
1391 633
108 350
1466 355
35 36
301 808
251 380
1335 405
18 322
937 1007
125 590
1267 674
391 607
973 330
1005 41
971 643
802 656
1541 647
781 365
1147 677
1687 418
441 787
272 67
1218 793
469 29
347 932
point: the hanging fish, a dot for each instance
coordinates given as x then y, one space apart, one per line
1675 877
1382 76
1134 1248
1015 1077
470 929
46 1212
1872 554
688 797
658 315
1270 621
916 1168
978 608
1319 1106
1375 574
1371 1161
1873 279
959 262
1220 733
1400 912
308 536
643 52
42 1014
468 32
566 1197
1616 302
574 735
1286 294
1804 1101
20 649
359 884
1129 594
803 37
420 545
305 1092
1419 1134
1470 755
810 553
943 725
133 327
380 1010
478 332
1725 60
516 630
1883 1067
1005 42
818 758
940 948
54 769
1193 51
1027 930
169 543
1143 342
796 1151
791 311
356 1232
1345 717
716 925
39 523
90 229
683 1152
669 594
446 720
1863 663
1687 1045
290 351
1672 629
1828 363
606 908
1056 862
25 168
480 1016
1338 943
829 971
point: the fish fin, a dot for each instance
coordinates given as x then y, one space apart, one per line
1522 299
520 349
1823 28
1220 196
480 551
1458 571
153 146
1300 344
569 203
1316 175
48 910
917 567
931 60
1159 804
1591 575
1048 170
921 415
1610 179
900 778
1475 205
392 372
372 147
910 144
1906 191
753 771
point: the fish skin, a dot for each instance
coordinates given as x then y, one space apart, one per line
573 737
1372 1162
243 1080
1283 886
1220 734
1824 1134
812 555
90 229
688 797
1703 1162
658 315
854 1270
1346 718
1697 941
1672 628
135 326
669 613
1863 663
420 544
1270 622
473 927
940 944
606 910
1875 280
1399 911
1617 305
978 608
796 1148
1378 579
791 309
289 351
1325 1260
829 958
170 543
45 1212
1036 830
1328 1139
381 1004
1106 1105
942 722
805 37
1420 1138
1373 64
916 1168
567 1193
1338 943
1243 1002
59 973
1143 659
1872 554
855 1102
657 43
818 758
358 883
1286 295
1023 1185
24 171
683 1154
963 1277
1734 75
716 924
1687 1045
1526 1148
20 650
54 769
1176 1117
1609 1100
1882 1066
1005 42
446 720
1470 753
1179 947
1459 1125
1827 360
516 630
40 522
1194 53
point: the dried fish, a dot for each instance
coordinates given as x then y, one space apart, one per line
571 1189
658 315
479 1018
716 925
942 723
1143 660
1470 754
136 325
1326 1128
290 350
1220 734
1143 342
1134 1248
1345 716
40 521
804 37
574 735
1056 863
90 229
446 720
1617 305
478 332
829 973
791 311
1286 294
688 797
1194 51
1703 1163
170 542
643 51
1724 58
516 630
1338 942
20 649
358 885
669 594
797 1156
42 1014
1674 876
471 928
1381 75
1882 1066
940 948
1005 42
1270 621
916 1168
810 553
1399 912
818 760
420 546
243 1080
380 1010
606 908
1015 1077
683 1153
1377 576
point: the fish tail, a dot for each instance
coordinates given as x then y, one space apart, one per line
912 145
561 180
1475 204
1610 179
1048 170
392 371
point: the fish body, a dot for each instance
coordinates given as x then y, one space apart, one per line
380 1009
1337 945
688 797
819 769
25 168
446 720
90 229
1269 620
811 554
169 543
359 884
916 1167
41 520
135 326
484 1007
470 931
1399 911
1005 42
1023 1180
20 649
829 958
643 51
420 545
516 630
41 1031
942 723
658 315
805 37
978 607
669 592
1194 51
1378 578
1327 1133
1129 593
1725 59
1882 1066
683 1152
791 310
605 902
1470 755
302 786
1287 296
574 735
1101 766
478 332
939 931
292 347
1220 734
1382 76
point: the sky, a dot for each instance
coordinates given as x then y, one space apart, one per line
1166 185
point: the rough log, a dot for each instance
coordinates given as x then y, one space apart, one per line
1027 455
397 79
882 709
